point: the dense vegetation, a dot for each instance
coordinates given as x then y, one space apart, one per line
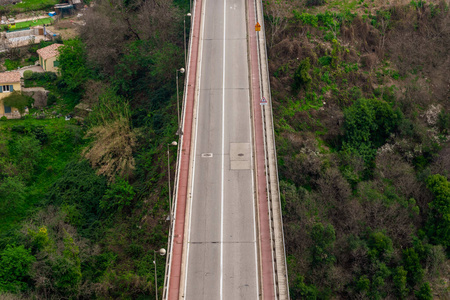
83 202
361 104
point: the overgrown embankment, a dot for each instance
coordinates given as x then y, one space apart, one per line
360 96
86 201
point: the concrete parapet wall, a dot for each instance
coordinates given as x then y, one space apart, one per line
278 247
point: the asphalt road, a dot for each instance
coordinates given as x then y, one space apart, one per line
221 255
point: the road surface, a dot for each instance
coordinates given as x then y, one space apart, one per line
222 245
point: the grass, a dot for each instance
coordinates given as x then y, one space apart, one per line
63 145
28 5
27 24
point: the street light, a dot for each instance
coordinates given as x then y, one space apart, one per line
181 70
184 32
161 252
168 171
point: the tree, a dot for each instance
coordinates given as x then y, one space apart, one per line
119 195
72 64
380 245
300 290
12 195
18 100
411 263
302 79
26 150
368 123
323 238
425 292
438 224
400 282
15 263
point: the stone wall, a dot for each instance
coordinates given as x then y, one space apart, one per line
39 94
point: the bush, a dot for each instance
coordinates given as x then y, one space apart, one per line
32 59
18 100
12 64
44 76
51 99
300 290
3 118
438 224
368 123
301 75
28 74
119 195
80 186
15 264
425 292
315 2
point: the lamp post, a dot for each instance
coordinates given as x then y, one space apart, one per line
162 252
184 32
168 171
181 70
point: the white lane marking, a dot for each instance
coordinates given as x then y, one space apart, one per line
199 65
223 149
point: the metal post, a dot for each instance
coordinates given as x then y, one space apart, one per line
184 39
170 193
156 277
178 105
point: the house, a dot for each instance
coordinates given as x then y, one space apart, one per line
9 82
48 57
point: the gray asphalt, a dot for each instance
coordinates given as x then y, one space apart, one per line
221 261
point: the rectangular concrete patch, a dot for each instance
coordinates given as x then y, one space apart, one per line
240 156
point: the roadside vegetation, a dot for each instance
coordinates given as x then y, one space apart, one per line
26 6
83 203
361 101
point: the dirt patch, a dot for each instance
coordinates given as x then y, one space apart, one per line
67 28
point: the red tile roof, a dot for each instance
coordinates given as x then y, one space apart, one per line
49 51
9 77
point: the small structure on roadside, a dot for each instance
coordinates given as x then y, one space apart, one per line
9 82
48 57
64 9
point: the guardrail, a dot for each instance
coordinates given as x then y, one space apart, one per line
281 282
179 149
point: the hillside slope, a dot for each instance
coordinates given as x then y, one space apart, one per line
361 94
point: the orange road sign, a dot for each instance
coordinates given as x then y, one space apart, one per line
257 27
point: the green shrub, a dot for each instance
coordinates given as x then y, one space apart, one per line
118 196
325 60
368 123
80 186
18 100
302 79
15 264
44 76
32 59
315 2
425 292
380 245
323 238
51 99
300 290
27 74
399 279
306 19
4 118
12 64
12 196
411 263
438 224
